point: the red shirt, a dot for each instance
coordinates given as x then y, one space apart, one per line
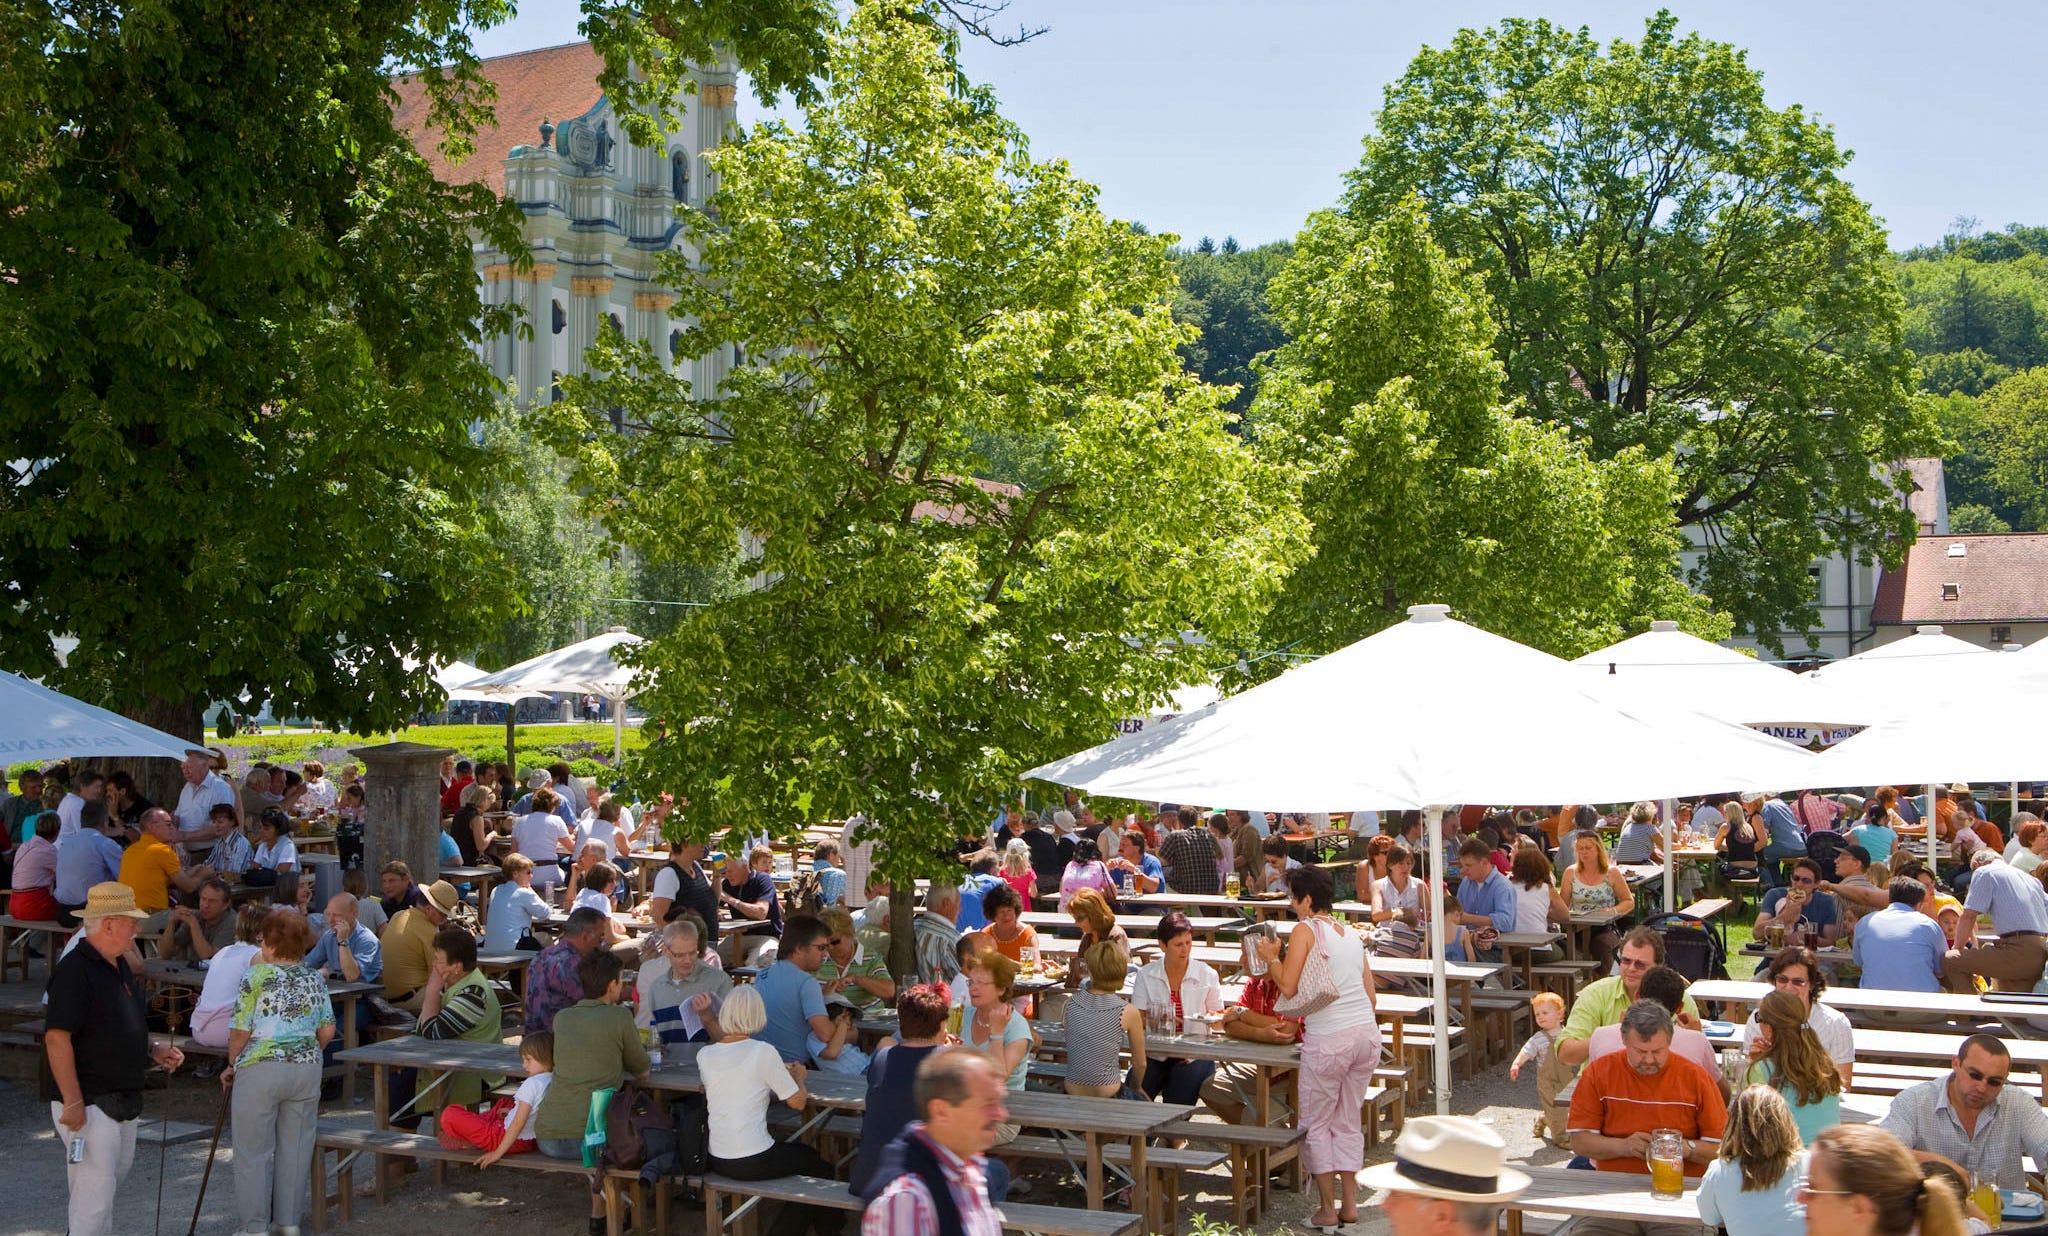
1616 1101
451 798
1259 995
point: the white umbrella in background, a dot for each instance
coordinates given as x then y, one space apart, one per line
1926 671
39 723
454 676
1665 665
582 668
1417 716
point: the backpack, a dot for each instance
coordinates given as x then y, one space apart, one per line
637 1128
803 893
1689 947
692 1136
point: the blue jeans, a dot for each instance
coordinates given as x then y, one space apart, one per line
1772 855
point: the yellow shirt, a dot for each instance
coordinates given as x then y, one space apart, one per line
408 948
147 867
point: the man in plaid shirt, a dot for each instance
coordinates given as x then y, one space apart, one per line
935 1168
1189 855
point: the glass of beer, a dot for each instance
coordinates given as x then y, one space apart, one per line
1984 1196
1233 887
1667 1163
953 1019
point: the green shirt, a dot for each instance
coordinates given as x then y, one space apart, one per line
596 1047
870 965
469 1012
1601 1004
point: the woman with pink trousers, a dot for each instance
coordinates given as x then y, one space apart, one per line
1340 1045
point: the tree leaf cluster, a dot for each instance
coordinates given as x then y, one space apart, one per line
1422 483
1675 265
907 286
1223 296
238 366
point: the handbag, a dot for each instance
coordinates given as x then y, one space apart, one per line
1317 988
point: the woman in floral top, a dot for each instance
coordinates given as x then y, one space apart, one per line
282 1020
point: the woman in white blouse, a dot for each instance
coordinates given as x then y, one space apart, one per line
542 837
274 848
742 1075
1171 990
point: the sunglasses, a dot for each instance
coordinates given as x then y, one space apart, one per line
1992 1080
1786 981
1803 1192
1802 879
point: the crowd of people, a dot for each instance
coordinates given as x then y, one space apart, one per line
763 977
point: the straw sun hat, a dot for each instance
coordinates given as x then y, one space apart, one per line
1451 1157
112 899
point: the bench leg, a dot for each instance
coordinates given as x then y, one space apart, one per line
316 1182
345 1191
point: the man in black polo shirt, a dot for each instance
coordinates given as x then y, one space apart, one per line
96 1048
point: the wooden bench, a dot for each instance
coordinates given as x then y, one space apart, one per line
836 1195
1502 1016
1252 1150
1565 976
1707 911
28 929
1164 1164
352 1142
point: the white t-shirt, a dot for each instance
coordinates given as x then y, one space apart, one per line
282 854
319 795
538 835
666 882
591 899
224 976
196 802
1353 1006
530 1092
514 911
1532 908
593 829
68 809
370 913
1829 1026
740 1080
1391 898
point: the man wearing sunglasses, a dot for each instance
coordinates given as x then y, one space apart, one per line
1972 1120
1797 972
1802 901
1603 1001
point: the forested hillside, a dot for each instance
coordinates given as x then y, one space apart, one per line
1977 317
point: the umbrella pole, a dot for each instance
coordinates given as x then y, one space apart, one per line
1669 808
511 761
618 728
1439 992
1929 821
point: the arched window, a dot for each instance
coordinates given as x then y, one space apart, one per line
675 344
679 175
561 317
617 325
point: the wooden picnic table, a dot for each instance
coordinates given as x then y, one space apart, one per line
1860 1002
1257 907
341 991
1914 1045
1523 944
1582 927
483 878
1093 1121
1461 976
513 963
1134 925
1609 1195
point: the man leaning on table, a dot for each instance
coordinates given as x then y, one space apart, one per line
1973 1119
1447 1178
2012 900
1899 948
1604 1000
1623 1097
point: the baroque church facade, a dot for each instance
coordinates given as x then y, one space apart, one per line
599 211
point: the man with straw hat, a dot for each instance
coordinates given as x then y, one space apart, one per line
1446 1178
96 1048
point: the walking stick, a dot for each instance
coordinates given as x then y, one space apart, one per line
219 1122
163 1138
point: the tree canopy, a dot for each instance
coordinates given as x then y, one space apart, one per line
1223 295
237 357
1421 483
907 285
1677 265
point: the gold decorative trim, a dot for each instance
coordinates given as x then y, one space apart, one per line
497 272
656 301
541 270
716 96
590 285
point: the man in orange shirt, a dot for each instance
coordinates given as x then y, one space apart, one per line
151 867
1945 812
1623 1096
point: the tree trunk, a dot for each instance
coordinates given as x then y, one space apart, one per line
159 780
902 945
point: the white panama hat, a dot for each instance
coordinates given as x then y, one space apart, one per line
1451 1157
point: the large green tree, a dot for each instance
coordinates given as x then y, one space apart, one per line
1678 265
1421 483
906 283
1223 295
237 376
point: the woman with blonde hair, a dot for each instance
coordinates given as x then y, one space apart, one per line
1641 841
1016 870
1590 884
1862 1181
1100 1025
1091 913
1795 1064
1751 1185
993 1026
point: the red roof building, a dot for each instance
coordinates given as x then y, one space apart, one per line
1988 586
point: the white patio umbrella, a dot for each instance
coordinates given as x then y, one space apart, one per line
582 668
1927 670
1410 718
37 722
1665 665
455 676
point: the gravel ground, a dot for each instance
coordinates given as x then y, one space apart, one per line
524 1204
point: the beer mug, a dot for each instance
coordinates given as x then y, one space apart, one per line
1667 1163
1233 887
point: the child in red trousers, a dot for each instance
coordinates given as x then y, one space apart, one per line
507 1127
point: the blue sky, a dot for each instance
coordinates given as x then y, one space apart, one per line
1213 117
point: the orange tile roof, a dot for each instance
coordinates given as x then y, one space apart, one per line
1998 577
548 83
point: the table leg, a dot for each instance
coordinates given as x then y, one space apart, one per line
1141 1183
351 1037
1094 1146
380 1097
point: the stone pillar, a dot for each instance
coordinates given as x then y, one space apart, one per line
402 808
